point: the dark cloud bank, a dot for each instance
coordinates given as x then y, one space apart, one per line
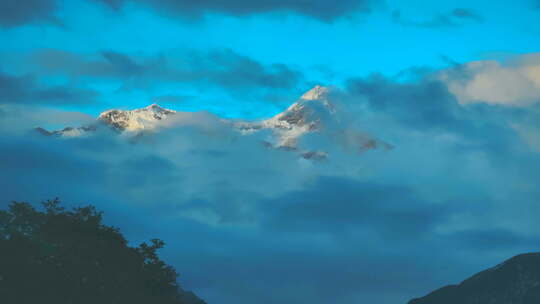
15 13
245 224
319 9
220 70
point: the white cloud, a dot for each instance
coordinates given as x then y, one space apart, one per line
513 83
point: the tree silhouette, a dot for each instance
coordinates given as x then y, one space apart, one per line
62 256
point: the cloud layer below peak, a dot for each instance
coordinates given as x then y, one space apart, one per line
452 192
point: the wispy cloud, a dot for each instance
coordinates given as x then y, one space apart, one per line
456 17
26 90
223 68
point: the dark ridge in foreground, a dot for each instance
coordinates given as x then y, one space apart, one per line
63 256
515 281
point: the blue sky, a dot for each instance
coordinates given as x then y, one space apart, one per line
324 51
453 86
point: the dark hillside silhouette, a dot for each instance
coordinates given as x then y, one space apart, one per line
64 256
515 281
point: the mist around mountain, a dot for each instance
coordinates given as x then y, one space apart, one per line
247 221
515 281
313 113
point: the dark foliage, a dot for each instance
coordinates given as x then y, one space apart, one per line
68 256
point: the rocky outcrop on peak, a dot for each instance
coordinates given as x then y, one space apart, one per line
135 120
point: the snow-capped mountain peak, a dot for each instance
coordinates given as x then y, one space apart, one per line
135 120
313 112
304 116
316 93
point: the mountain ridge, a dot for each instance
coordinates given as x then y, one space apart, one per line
311 113
515 281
